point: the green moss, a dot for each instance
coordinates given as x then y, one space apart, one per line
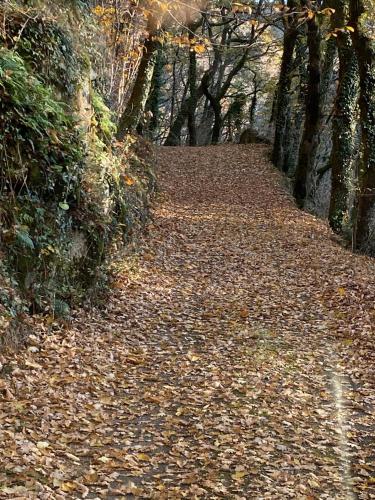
103 118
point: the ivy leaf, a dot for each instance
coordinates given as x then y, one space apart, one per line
24 239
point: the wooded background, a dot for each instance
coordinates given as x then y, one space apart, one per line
299 74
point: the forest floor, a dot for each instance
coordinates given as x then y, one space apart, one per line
234 358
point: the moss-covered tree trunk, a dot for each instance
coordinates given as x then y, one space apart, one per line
137 102
313 108
282 104
365 50
344 119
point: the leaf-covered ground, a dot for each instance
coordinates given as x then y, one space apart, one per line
234 359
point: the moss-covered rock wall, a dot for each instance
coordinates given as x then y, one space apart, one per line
69 195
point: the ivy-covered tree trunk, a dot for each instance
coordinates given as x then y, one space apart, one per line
137 102
295 117
283 90
326 81
344 120
365 50
312 117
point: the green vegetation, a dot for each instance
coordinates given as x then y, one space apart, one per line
68 198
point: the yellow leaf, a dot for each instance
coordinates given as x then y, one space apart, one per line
68 487
328 11
42 445
310 14
237 476
199 49
192 357
128 180
143 457
341 291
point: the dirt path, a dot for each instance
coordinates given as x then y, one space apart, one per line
234 359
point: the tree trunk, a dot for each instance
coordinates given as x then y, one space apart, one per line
174 135
216 98
218 123
153 103
253 104
204 129
312 117
192 82
283 95
326 81
136 105
364 47
215 102
344 120
294 118
174 89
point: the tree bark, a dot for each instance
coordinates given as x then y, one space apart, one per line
136 105
364 48
312 117
295 118
326 80
216 98
189 104
283 90
216 106
174 135
254 102
192 82
153 102
344 119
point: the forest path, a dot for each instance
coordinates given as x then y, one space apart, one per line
234 359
